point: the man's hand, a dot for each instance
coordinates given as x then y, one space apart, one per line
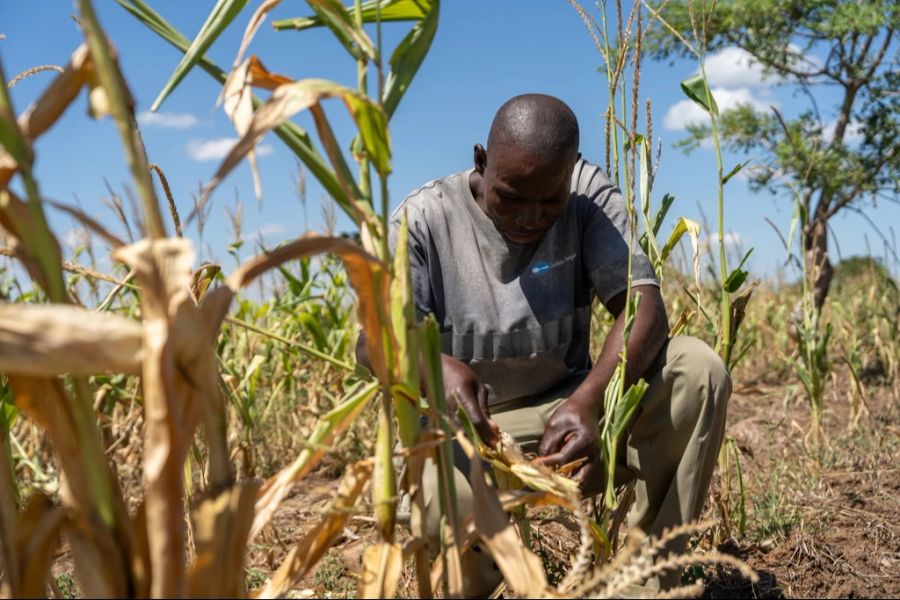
461 382
571 434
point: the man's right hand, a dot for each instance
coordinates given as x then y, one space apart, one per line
462 384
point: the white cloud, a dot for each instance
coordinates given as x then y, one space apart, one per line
686 112
732 239
217 148
735 68
76 237
168 120
267 229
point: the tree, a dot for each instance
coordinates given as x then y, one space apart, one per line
818 161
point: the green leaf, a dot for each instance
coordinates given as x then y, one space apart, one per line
697 90
737 169
10 136
661 213
221 16
8 415
391 10
409 54
625 408
738 276
337 18
682 225
312 325
735 280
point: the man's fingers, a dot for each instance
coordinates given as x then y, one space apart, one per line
569 452
553 440
471 403
483 397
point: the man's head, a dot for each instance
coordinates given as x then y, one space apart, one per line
527 169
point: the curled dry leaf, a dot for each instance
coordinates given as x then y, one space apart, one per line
180 384
55 339
382 565
49 107
259 15
237 95
221 528
16 220
291 98
38 538
100 565
522 569
314 544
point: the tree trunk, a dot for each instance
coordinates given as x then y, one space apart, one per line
819 269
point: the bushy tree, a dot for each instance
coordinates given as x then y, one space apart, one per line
817 162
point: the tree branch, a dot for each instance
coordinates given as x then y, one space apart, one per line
880 56
850 196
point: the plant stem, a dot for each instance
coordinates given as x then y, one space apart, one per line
121 108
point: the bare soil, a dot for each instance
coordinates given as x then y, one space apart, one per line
820 522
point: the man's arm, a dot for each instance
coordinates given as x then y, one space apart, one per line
461 382
571 432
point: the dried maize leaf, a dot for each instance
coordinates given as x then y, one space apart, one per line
15 218
291 98
253 26
38 533
55 339
382 565
314 544
261 77
9 516
163 268
221 528
101 562
49 107
202 279
140 560
522 569
238 103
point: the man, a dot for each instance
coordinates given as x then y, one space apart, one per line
509 256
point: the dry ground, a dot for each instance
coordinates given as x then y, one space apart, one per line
819 524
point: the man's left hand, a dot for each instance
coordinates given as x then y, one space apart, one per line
571 434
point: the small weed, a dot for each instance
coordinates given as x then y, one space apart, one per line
771 517
334 579
255 578
555 569
65 584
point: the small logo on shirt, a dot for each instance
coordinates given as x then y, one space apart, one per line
543 266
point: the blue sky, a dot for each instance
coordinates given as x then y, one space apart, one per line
484 52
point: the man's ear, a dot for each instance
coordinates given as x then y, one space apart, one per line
480 157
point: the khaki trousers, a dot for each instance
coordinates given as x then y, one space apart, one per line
670 450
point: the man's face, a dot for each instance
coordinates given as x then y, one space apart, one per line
524 196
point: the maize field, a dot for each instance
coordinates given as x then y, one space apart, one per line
170 431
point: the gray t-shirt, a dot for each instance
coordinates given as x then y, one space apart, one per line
518 314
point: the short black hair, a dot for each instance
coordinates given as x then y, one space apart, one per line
542 125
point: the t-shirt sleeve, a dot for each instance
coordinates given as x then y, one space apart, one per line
423 296
605 242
